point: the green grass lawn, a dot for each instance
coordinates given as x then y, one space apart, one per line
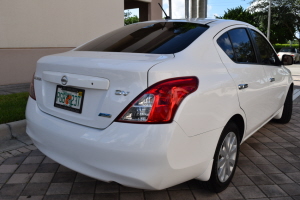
12 107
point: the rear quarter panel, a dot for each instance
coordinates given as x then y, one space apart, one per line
215 101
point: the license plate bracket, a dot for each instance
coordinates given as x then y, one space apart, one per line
69 98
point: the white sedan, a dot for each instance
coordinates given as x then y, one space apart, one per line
157 103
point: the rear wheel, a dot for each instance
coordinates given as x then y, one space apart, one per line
287 109
225 159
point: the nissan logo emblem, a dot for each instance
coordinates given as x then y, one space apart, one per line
64 80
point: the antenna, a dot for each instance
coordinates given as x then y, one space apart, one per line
167 17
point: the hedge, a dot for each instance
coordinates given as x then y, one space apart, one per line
277 47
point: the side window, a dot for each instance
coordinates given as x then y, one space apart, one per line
225 44
266 52
242 46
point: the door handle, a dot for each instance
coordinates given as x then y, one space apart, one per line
272 79
243 86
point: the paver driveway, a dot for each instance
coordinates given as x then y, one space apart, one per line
268 168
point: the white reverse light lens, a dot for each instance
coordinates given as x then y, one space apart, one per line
140 109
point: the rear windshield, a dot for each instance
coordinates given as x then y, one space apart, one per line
155 38
287 50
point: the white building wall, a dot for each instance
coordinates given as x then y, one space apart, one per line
56 23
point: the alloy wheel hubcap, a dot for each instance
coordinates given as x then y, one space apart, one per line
227 157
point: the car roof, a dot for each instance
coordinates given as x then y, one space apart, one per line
203 21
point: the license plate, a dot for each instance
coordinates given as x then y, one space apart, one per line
69 98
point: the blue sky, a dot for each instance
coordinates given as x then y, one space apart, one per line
215 7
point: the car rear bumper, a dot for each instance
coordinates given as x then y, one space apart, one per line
135 155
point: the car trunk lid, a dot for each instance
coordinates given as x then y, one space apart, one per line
105 82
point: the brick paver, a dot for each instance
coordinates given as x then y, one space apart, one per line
268 168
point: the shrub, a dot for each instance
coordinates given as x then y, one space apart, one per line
277 47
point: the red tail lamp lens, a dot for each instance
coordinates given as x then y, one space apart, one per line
159 103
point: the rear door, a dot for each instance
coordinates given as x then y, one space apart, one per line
276 74
237 53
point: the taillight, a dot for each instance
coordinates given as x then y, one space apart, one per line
31 89
159 102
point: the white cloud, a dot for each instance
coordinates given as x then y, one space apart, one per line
178 8
209 7
166 7
167 11
209 14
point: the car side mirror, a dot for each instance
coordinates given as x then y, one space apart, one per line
287 60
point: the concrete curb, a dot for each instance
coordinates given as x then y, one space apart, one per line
18 128
5 133
13 130
13 136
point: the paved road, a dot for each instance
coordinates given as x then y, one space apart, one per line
295 69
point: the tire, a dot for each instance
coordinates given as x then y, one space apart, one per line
287 109
223 170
